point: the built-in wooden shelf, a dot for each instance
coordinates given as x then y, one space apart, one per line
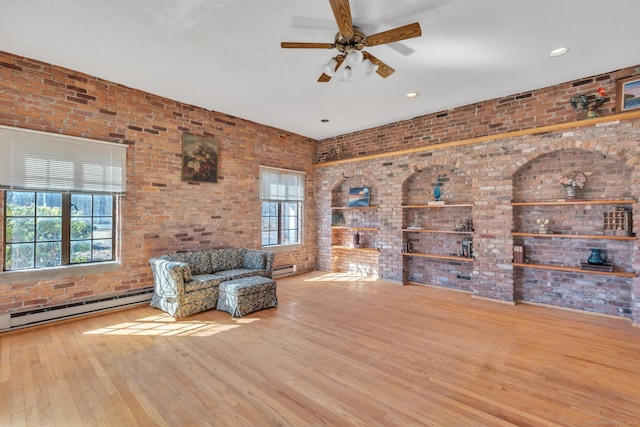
575 236
598 121
452 205
339 227
416 283
576 202
422 230
434 256
353 207
348 248
575 270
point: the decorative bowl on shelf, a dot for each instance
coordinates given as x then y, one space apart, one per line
337 220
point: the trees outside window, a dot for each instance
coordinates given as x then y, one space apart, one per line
49 229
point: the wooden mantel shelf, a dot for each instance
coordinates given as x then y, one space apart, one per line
629 115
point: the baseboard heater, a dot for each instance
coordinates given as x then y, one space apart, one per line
283 270
40 316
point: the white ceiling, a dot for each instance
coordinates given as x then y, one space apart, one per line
225 55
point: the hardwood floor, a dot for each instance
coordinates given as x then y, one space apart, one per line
337 351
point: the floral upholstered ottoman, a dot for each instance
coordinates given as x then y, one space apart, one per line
246 295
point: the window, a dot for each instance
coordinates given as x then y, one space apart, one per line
282 194
60 198
47 229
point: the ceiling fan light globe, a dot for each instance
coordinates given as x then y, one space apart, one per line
370 67
347 74
354 57
330 67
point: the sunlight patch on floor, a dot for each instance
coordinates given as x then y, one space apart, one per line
164 325
342 277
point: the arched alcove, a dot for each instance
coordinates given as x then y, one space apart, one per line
607 176
354 230
438 234
418 188
557 233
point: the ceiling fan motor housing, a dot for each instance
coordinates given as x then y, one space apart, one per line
346 44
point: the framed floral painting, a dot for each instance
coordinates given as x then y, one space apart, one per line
199 158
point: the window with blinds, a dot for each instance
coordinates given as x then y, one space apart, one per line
60 198
47 161
282 197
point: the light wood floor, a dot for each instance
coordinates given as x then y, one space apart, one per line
335 352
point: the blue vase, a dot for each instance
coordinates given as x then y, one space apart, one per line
596 257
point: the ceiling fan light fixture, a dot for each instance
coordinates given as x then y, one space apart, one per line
347 73
350 40
354 57
330 67
370 67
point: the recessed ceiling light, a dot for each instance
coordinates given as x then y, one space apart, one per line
558 52
412 95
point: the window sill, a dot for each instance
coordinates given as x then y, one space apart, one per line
21 276
279 249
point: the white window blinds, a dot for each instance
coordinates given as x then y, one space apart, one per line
47 161
281 184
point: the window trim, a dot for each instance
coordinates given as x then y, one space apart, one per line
65 237
280 186
280 230
60 272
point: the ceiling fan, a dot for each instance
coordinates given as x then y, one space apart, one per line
350 41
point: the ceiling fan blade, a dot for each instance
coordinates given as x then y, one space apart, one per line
383 69
324 77
295 45
401 33
342 12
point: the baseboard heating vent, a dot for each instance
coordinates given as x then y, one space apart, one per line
283 270
67 311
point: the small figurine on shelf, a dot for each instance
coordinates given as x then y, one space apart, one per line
580 103
416 223
543 223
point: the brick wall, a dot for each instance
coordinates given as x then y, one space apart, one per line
520 111
491 173
160 213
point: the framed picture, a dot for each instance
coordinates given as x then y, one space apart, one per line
199 158
628 94
359 197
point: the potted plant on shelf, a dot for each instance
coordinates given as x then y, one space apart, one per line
572 180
